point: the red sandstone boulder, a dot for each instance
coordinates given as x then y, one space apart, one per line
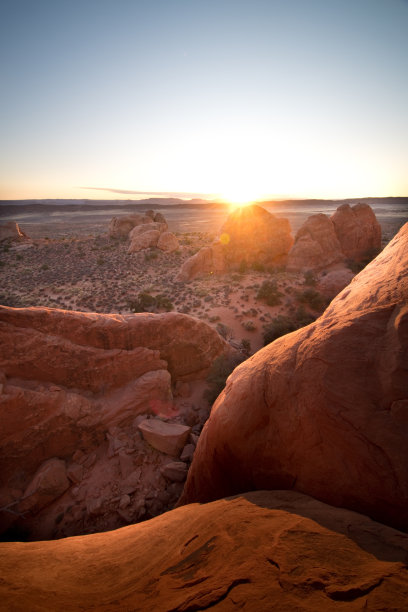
261 551
252 234
208 260
144 240
119 227
316 245
168 242
323 410
357 230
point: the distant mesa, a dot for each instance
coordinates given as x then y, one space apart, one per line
323 410
253 237
10 230
144 232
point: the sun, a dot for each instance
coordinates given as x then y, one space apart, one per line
239 198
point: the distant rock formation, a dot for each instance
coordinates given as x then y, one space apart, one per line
144 231
357 230
10 230
260 551
323 410
350 233
251 235
316 245
69 379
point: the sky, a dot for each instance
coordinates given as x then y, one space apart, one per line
232 99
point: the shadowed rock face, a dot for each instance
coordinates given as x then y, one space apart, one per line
11 230
323 410
66 378
350 233
357 230
262 551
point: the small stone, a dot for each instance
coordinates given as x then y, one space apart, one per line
124 501
187 453
75 473
175 471
168 438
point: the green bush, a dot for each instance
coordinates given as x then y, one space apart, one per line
218 374
268 292
149 303
309 278
282 325
312 298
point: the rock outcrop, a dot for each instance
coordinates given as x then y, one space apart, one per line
10 230
323 410
144 231
316 245
251 235
261 551
67 378
351 233
357 230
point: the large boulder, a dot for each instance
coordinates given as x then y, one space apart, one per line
168 438
119 227
316 245
357 230
144 240
252 234
168 242
10 230
67 377
261 551
208 260
323 410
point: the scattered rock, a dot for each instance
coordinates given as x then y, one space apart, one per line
188 452
75 473
168 438
49 483
175 471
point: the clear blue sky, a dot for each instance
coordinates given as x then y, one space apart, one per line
242 99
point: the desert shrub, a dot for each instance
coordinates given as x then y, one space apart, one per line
150 255
268 292
357 266
100 261
223 330
309 278
19 257
249 325
312 298
218 374
243 267
44 267
258 266
245 346
282 325
164 303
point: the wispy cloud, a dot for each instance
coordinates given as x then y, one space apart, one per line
160 194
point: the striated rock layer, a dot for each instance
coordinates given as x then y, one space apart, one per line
323 410
262 551
69 378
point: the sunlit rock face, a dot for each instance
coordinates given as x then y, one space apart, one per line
255 235
261 551
323 410
67 378
351 233
250 235
357 230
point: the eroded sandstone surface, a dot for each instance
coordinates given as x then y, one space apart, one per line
323 410
260 551
71 386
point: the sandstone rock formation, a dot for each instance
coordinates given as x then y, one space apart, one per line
331 283
261 551
251 235
144 231
208 260
68 379
323 410
316 245
350 233
119 227
357 230
10 230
